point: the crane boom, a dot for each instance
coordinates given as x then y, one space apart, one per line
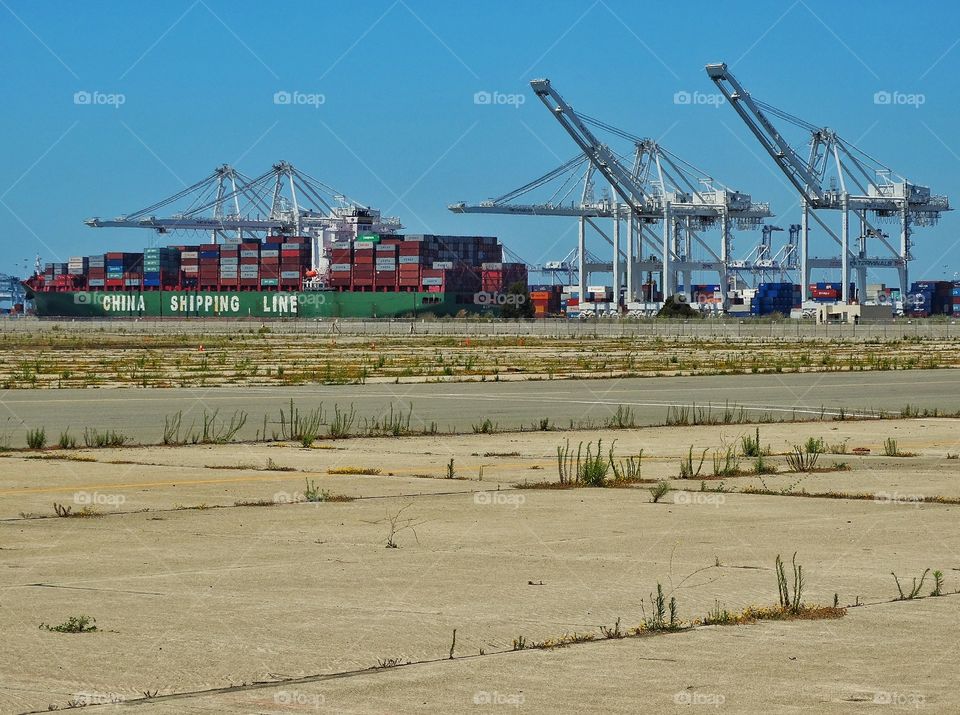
600 155
796 169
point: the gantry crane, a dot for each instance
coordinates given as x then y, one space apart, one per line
571 193
659 187
283 200
865 186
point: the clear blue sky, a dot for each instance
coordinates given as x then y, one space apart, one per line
399 128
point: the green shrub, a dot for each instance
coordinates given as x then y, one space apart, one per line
37 438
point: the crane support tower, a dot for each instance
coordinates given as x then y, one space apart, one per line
838 176
660 187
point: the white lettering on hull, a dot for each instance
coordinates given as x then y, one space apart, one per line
120 302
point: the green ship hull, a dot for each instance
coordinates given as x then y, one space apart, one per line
247 304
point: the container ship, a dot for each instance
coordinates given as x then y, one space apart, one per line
312 253
368 275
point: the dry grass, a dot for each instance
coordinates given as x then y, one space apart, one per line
752 614
864 496
338 498
59 358
547 485
373 471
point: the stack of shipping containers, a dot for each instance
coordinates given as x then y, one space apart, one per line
546 300
249 275
270 266
161 267
124 271
96 272
775 298
829 292
189 266
209 275
498 277
230 266
369 263
930 298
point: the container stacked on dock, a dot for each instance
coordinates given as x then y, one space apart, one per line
570 301
706 293
955 298
930 298
829 292
775 298
546 300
